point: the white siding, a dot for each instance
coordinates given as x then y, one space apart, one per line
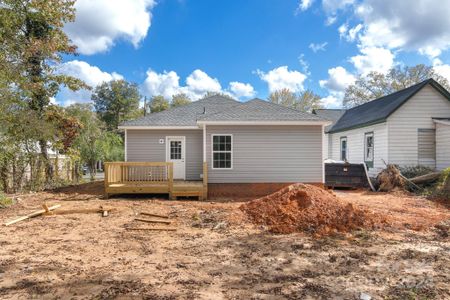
403 124
265 154
355 146
442 146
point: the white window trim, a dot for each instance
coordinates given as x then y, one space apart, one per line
342 138
212 151
366 135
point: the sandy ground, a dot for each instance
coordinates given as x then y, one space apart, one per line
217 254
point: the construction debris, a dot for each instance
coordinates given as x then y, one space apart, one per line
427 178
391 179
152 228
307 208
34 214
154 215
153 221
84 211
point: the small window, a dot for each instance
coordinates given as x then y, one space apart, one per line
175 149
222 151
344 148
368 149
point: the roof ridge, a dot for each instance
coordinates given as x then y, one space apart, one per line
282 106
426 81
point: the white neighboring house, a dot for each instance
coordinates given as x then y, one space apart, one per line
410 127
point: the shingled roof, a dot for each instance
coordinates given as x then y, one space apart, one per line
260 110
332 114
223 109
377 111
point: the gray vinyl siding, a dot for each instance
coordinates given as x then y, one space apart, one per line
269 154
442 146
143 145
403 124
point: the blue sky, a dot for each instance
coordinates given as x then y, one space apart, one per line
250 48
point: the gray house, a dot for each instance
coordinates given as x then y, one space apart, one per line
410 127
250 148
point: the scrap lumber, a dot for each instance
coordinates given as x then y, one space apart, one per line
426 178
33 214
154 215
153 221
152 228
83 211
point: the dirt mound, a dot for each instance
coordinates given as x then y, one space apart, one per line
307 208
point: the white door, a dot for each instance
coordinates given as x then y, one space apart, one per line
175 150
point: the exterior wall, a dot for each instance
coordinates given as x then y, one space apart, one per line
355 146
442 146
325 147
143 145
270 154
403 124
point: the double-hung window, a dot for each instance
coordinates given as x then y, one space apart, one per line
344 148
368 149
222 151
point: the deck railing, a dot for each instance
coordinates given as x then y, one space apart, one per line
129 177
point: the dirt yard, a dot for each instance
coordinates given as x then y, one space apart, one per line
216 253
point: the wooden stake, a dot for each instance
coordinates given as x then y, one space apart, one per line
153 221
33 214
154 215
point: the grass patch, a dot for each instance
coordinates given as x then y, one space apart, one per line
5 201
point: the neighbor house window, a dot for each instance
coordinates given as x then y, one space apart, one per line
368 149
344 148
222 151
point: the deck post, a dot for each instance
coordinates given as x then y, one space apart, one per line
205 181
170 179
106 179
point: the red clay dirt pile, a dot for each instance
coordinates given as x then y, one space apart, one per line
307 208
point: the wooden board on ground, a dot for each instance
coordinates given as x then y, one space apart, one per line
153 228
34 214
154 215
83 211
153 221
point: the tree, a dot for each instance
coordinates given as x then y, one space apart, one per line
305 101
180 100
94 143
158 103
375 85
116 101
32 45
211 93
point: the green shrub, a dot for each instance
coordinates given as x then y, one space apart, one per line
414 171
5 201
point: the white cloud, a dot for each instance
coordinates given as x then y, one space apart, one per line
305 4
332 6
373 59
242 90
318 47
441 68
419 26
100 23
167 84
91 75
281 77
339 79
332 101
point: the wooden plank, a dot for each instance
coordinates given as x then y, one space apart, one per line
153 228
83 211
153 221
33 214
154 215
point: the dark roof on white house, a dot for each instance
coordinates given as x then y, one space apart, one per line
219 108
378 110
332 114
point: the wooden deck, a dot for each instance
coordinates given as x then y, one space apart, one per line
151 178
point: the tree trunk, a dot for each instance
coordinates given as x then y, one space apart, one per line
4 175
47 164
